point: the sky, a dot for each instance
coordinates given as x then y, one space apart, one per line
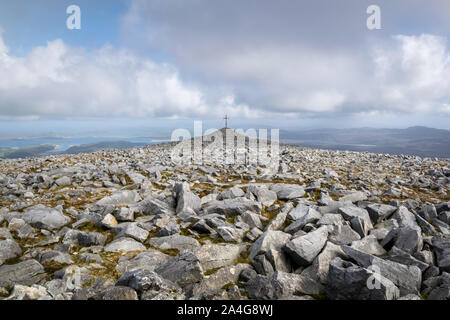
274 63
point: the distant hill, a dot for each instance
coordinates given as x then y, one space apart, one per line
420 141
91 147
36 151
25 152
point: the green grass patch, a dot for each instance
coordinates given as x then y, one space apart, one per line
228 286
211 271
7 293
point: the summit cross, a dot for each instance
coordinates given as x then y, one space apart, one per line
226 121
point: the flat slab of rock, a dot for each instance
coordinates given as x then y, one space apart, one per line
231 207
120 198
84 238
132 230
290 193
43 217
213 256
175 241
124 245
25 273
147 260
354 197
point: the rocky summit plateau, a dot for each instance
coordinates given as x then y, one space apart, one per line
132 224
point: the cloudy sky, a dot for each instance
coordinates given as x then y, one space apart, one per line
312 63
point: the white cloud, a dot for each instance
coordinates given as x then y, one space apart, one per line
303 57
57 80
412 74
406 74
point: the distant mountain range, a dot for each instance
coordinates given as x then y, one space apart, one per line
34 151
420 141
91 147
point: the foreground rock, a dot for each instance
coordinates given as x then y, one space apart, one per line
305 248
43 217
24 273
133 224
347 281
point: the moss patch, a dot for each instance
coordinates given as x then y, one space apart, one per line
320 296
211 271
170 252
228 286
243 258
7 292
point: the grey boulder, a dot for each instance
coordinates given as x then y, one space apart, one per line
232 207
305 248
120 198
25 273
175 241
404 238
442 250
343 234
186 199
9 249
124 245
43 217
347 281
184 269
379 212
83 238
406 278
213 256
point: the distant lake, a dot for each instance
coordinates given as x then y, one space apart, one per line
63 144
